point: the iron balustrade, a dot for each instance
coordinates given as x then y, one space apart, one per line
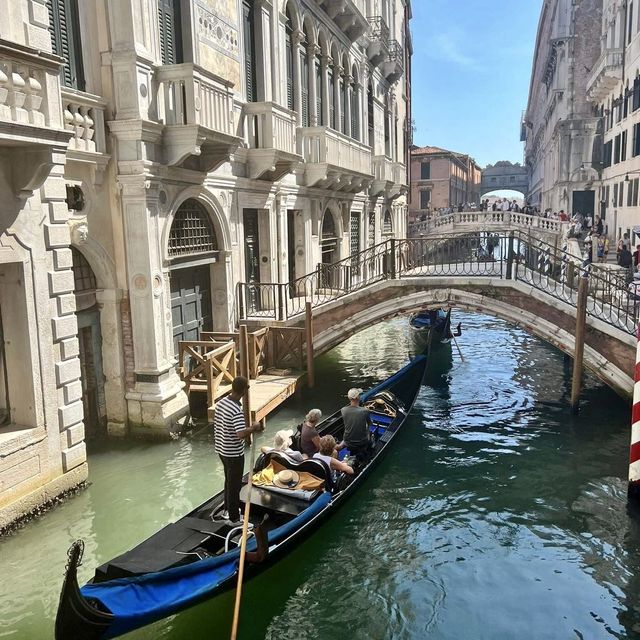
512 256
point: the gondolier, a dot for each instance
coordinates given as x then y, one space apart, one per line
230 431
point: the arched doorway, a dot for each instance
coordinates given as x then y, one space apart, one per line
90 347
329 241
193 248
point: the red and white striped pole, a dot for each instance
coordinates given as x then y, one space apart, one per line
634 452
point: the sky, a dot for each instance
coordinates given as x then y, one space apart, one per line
471 69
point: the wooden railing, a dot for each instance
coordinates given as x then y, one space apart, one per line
205 365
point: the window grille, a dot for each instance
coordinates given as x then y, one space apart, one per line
83 276
191 232
387 225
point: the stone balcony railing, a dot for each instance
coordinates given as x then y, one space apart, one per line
271 140
84 118
26 79
476 221
334 160
197 109
388 177
605 75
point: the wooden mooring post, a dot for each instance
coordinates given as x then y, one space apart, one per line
578 356
633 491
244 370
308 324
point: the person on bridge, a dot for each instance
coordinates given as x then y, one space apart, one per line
230 431
506 205
356 421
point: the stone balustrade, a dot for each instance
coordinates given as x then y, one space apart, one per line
84 118
189 95
486 220
326 146
23 89
270 126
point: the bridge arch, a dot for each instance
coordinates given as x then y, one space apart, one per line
608 357
504 175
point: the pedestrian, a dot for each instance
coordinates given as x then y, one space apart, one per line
600 247
636 257
505 205
230 431
599 225
625 259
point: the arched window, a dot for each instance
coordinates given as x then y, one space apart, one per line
355 107
317 65
304 77
289 52
191 232
248 32
387 224
387 128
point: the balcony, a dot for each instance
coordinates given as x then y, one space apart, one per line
334 161
606 74
29 115
349 15
378 47
389 178
271 139
393 66
196 108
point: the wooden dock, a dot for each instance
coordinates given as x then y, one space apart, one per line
276 360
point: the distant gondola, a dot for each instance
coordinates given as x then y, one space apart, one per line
196 558
431 328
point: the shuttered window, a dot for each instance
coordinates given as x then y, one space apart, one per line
289 61
304 77
355 113
64 27
169 25
332 100
370 115
318 68
249 50
636 94
343 105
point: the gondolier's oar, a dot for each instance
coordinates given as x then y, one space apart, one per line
243 542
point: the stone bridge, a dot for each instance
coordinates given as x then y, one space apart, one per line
528 283
504 175
547 229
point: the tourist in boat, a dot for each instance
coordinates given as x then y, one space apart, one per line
327 454
356 421
230 431
309 437
282 443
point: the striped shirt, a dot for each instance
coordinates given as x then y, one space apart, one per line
228 420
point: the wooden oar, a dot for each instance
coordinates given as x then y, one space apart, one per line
243 542
458 347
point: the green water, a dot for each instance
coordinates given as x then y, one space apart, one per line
495 515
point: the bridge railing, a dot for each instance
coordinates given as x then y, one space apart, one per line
487 219
510 255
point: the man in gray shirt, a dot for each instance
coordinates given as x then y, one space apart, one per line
356 427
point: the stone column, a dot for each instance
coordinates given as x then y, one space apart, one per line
357 105
157 399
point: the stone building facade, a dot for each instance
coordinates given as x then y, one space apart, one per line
442 179
155 154
560 128
613 87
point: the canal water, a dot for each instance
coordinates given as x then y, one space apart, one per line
496 514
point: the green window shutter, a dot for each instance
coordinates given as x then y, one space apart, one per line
289 62
64 28
304 75
318 68
169 25
249 51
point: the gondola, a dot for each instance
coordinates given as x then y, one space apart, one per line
432 328
196 557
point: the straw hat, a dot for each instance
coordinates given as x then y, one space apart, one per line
282 439
286 479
